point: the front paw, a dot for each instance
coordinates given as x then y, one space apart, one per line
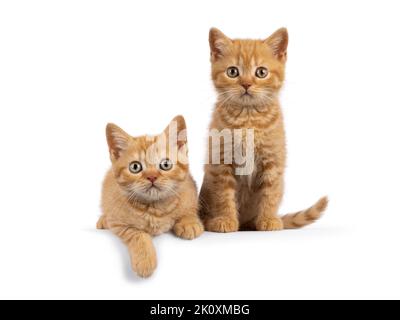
144 266
222 224
101 223
189 230
269 224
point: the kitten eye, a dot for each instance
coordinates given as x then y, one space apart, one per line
135 167
232 72
166 165
261 72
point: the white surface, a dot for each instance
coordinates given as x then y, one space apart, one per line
69 67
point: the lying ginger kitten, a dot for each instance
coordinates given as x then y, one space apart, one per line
146 193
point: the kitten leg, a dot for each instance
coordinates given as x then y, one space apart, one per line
141 249
269 198
189 227
220 190
143 255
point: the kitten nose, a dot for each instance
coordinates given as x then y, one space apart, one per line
246 85
152 179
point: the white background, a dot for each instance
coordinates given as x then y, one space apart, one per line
69 67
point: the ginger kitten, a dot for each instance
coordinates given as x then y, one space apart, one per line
149 191
248 75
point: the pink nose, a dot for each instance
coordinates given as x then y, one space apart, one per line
152 179
246 85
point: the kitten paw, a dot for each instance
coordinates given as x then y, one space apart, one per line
222 225
144 266
101 224
269 224
189 231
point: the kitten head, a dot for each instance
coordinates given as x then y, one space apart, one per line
248 72
149 168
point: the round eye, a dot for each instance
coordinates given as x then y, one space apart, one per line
135 167
166 165
261 72
232 72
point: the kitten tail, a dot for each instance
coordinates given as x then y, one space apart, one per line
306 217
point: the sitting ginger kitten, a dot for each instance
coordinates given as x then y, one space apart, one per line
146 193
248 75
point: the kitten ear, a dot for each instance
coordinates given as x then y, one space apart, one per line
278 42
218 43
177 127
117 140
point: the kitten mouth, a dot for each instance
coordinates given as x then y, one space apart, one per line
153 186
247 94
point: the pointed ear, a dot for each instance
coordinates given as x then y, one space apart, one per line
219 43
177 127
117 140
278 42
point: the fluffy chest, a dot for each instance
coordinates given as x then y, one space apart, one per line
157 225
263 131
150 220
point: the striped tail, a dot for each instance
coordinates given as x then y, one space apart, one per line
306 217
